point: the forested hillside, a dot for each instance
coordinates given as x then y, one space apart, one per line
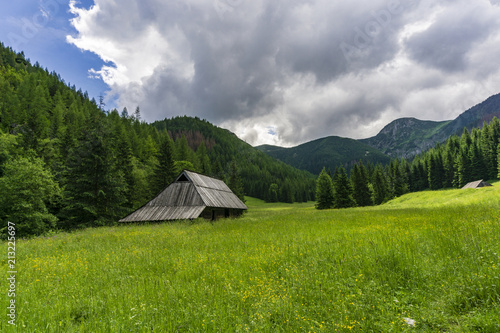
67 163
327 152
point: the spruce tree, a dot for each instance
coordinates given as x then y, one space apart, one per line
204 160
361 186
498 154
381 191
463 167
124 162
95 188
488 152
235 182
435 171
479 170
324 191
165 171
398 177
342 190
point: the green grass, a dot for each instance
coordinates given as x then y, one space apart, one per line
430 256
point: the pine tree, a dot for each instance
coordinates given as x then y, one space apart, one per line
204 160
343 193
57 119
465 139
166 170
498 155
435 171
137 114
324 191
182 149
449 155
381 191
463 167
235 183
488 152
398 177
361 186
37 122
479 169
94 190
124 162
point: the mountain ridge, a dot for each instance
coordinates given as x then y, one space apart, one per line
410 143
401 138
326 152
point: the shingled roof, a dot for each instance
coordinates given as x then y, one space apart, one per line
187 198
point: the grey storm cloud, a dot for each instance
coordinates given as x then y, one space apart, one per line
305 68
446 44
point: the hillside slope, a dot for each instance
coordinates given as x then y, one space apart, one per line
327 152
474 117
408 137
258 170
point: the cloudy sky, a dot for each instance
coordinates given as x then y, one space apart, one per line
278 72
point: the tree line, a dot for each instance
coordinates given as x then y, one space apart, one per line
472 156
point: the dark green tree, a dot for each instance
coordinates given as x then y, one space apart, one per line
342 190
235 182
479 169
361 185
463 167
381 192
435 171
95 189
123 162
165 170
498 154
398 177
204 160
324 191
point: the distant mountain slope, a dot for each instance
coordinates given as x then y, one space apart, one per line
327 152
474 117
408 137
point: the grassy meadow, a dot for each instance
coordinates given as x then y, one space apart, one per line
432 257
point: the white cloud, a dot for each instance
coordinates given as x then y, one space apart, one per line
255 65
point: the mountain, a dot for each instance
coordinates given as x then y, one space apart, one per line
327 152
408 137
474 117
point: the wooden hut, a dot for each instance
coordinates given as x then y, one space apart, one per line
477 184
190 196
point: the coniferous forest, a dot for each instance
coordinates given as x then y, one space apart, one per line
67 163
